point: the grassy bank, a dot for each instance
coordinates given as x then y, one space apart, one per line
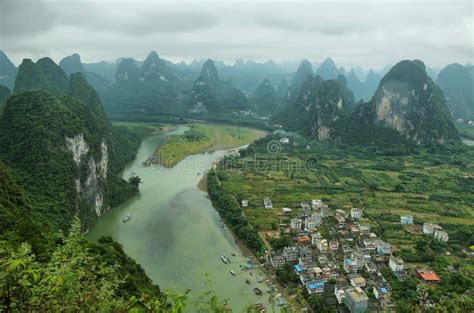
205 137
144 129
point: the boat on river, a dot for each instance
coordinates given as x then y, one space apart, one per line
247 282
127 217
233 273
225 259
257 291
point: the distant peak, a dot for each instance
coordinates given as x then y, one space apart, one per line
153 55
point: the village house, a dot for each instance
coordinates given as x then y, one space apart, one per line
286 211
316 204
276 259
370 244
285 140
350 266
356 300
311 222
324 211
315 287
356 213
245 203
334 244
358 281
296 223
315 238
267 203
364 229
429 228
291 253
406 219
305 206
303 239
355 231
396 264
383 248
339 292
441 235
380 293
370 267
428 276
322 245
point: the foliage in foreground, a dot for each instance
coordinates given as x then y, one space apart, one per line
73 280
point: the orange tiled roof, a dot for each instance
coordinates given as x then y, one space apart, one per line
428 275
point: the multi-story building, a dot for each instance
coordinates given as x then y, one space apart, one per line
276 259
429 228
316 204
315 287
356 213
311 222
350 266
383 248
324 210
364 229
296 224
334 244
396 264
339 292
291 253
356 300
267 203
322 245
441 235
370 267
315 238
380 292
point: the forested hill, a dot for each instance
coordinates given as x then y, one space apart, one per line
407 108
59 167
55 136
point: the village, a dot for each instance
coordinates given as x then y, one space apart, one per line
335 252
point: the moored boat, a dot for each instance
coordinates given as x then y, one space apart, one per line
233 273
224 259
257 291
247 282
127 217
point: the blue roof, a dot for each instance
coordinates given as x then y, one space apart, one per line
315 285
384 290
348 261
298 268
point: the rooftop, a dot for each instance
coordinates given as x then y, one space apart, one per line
428 275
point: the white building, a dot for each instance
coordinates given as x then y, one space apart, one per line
324 210
333 244
340 294
350 266
267 203
296 224
406 219
358 281
276 260
291 253
285 140
395 264
441 235
315 238
245 203
429 228
311 222
316 203
356 213
380 292
322 245
286 211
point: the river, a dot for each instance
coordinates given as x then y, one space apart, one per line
175 233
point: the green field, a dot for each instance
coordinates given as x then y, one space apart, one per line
432 186
205 137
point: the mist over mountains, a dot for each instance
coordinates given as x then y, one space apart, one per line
250 91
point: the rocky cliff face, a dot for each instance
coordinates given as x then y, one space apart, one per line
73 153
408 101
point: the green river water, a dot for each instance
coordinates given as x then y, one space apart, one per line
175 233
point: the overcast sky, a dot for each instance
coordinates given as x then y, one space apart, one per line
370 34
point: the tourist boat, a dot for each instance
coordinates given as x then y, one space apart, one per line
224 259
247 282
127 217
251 273
257 291
260 308
233 273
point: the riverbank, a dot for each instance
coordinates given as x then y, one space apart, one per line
203 137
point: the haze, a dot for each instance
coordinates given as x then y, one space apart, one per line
352 33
